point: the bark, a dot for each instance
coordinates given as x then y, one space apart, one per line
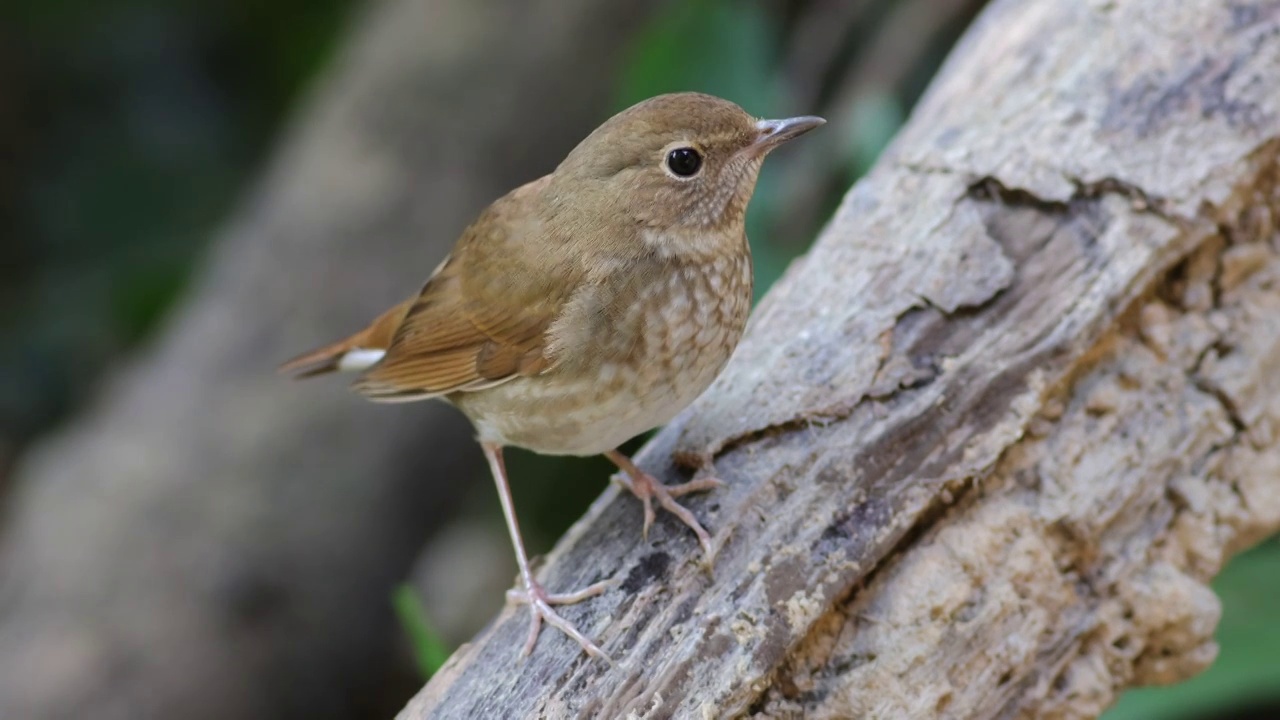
986 444
211 541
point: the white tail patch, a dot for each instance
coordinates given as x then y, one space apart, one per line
360 359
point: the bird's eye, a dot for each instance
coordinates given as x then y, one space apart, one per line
684 162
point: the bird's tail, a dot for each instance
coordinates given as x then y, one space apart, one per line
357 352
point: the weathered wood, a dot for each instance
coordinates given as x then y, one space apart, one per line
987 442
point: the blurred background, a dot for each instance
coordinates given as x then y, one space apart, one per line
192 191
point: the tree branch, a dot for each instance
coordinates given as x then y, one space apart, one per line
987 442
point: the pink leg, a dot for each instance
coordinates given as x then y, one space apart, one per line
645 486
538 599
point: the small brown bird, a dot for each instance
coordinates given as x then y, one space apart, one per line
587 306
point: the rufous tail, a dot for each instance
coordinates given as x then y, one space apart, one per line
358 352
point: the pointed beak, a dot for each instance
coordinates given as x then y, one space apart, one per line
775 132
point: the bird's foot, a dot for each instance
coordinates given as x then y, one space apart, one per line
646 487
540 602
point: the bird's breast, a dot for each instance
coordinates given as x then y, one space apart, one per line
654 350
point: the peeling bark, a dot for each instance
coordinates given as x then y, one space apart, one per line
986 444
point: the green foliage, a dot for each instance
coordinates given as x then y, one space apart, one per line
1247 670
429 651
714 46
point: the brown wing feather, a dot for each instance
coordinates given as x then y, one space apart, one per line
377 336
483 316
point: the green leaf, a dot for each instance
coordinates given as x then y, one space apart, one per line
429 650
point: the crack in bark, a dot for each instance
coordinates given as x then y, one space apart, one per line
992 188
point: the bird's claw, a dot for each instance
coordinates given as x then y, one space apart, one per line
646 487
540 602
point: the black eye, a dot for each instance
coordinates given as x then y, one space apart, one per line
684 161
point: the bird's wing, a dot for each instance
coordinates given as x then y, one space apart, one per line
483 316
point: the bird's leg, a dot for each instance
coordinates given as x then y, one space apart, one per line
533 594
645 486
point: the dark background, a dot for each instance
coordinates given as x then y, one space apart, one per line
132 130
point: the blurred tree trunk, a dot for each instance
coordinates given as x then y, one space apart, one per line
210 541
986 445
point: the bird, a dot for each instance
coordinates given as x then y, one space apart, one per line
585 307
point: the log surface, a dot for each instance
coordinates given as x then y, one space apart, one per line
987 443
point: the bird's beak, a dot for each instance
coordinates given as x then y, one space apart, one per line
775 132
